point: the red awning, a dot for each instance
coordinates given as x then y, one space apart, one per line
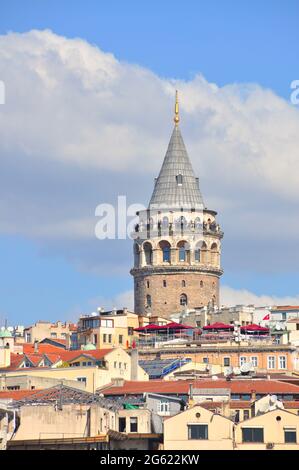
170 326
254 327
218 326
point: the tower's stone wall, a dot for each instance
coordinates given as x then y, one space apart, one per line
166 289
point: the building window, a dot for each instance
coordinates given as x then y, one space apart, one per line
197 255
271 362
282 362
148 301
119 365
182 253
53 335
120 339
125 365
290 435
252 435
104 338
122 424
147 284
246 414
242 360
226 361
166 253
133 424
237 416
254 361
201 283
148 253
183 300
205 360
183 283
164 283
179 180
164 407
115 364
110 338
95 339
107 323
198 431
81 379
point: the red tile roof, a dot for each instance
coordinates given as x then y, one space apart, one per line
93 354
16 394
182 386
285 307
43 348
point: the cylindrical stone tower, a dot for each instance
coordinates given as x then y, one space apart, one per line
177 242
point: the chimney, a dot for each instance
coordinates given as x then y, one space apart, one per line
36 346
68 341
226 409
134 364
190 391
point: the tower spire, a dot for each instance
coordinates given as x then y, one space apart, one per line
176 109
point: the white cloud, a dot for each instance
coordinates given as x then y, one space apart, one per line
230 296
80 127
122 300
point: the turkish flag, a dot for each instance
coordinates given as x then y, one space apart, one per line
267 317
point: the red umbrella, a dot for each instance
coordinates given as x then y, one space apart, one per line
150 327
218 326
169 326
176 326
254 327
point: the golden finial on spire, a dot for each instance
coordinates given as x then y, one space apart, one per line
176 109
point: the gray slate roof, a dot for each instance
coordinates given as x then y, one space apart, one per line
167 191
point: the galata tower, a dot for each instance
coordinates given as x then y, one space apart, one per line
177 240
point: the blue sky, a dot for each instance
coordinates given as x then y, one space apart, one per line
228 42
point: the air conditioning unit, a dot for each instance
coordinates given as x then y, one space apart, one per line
270 445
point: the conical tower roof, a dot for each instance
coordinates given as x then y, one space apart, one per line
176 185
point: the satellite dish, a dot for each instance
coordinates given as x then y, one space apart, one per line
264 407
246 367
278 326
273 399
236 371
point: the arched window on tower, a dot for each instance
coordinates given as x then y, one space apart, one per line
198 225
148 253
184 252
197 254
183 283
165 247
136 255
204 252
214 253
148 300
183 300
